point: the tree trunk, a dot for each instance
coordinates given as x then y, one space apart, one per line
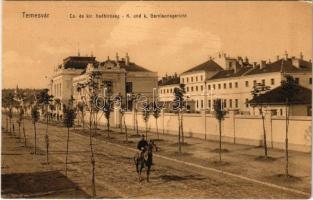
24 133
121 124
182 129
83 121
35 136
146 130
93 183
67 142
157 128
126 135
264 135
47 140
7 124
108 126
286 142
10 122
137 132
19 131
179 132
220 147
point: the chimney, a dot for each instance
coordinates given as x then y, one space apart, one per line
117 59
295 62
277 57
263 64
240 61
108 57
254 65
127 59
301 55
246 59
286 55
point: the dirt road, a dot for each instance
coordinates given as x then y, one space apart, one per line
116 176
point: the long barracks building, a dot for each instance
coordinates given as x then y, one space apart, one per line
232 80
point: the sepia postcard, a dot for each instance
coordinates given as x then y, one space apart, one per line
156 99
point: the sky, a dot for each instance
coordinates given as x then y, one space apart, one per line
32 48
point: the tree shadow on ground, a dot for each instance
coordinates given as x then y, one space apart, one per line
265 159
181 153
183 144
220 163
282 178
135 136
218 150
37 184
168 178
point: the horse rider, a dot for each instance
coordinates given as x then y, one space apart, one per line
150 147
142 145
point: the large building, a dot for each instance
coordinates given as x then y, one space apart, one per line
232 80
123 76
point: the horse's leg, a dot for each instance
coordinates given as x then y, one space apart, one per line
148 172
137 163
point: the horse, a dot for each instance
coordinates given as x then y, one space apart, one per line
144 159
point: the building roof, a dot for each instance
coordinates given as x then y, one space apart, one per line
230 73
169 80
130 67
78 62
278 95
282 65
209 65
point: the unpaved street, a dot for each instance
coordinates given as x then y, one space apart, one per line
116 176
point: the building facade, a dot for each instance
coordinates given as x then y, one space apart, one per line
233 79
123 76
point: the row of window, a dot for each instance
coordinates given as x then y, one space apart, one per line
167 91
192 79
230 85
227 103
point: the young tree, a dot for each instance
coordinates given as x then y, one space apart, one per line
20 120
134 102
81 110
122 111
23 124
146 115
92 88
44 100
178 107
289 87
69 114
107 112
219 115
259 89
10 100
57 103
156 114
20 99
35 118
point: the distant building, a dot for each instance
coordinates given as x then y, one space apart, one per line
232 80
167 85
123 76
